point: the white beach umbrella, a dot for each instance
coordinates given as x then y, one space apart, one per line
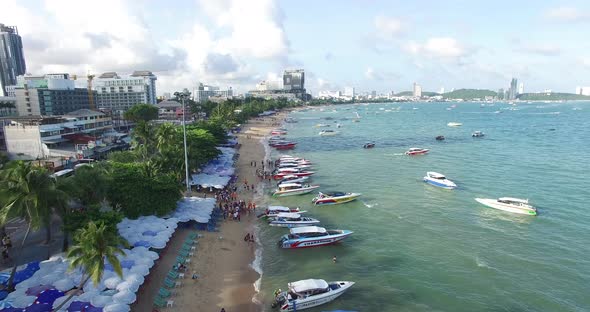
64 284
128 285
152 255
23 301
112 282
135 278
125 297
87 296
140 250
101 301
49 279
141 269
117 307
89 286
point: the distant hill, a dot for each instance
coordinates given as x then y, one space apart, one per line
410 93
469 94
552 97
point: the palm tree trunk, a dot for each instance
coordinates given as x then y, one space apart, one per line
66 243
11 278
72 294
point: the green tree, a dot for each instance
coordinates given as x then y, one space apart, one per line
29 193
94 244
141 112
90 184
3 159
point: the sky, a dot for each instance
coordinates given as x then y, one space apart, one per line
367 44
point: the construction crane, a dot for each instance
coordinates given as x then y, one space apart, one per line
90 95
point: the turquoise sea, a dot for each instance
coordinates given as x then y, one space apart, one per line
416 247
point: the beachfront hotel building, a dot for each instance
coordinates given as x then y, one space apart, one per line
206 92
119 93
417 90
12 59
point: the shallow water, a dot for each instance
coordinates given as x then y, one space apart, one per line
416 247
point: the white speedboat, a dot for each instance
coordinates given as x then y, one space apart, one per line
437 179
477 134
273 211
328 132
309 293
289 189
293 179
334 198
454 124
311 236
293 165
510 204
290 219
417 151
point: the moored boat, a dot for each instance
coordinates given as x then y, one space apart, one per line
417 151
282 172
311 236
477 134
290 189
454 124
273 211
437 179
369 145
284 145
510 204
289 219
328 132
278 131
309 293
440 138
293 179
334 198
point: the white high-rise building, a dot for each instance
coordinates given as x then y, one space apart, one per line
521 88
205 92
118 94
417 90
349 92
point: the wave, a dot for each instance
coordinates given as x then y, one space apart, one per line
482 263
256 265
369 205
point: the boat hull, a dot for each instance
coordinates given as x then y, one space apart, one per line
295 192
435 182
291 224
335 200
314 301
416 153
494 204
313 242
299 174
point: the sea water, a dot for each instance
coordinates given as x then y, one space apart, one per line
416 247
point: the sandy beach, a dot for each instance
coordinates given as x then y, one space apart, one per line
222 259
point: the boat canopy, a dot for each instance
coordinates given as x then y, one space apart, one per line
307 285
288 170
279 208
285 185
435 175
308 229
333 194
290 215
415 149
514 200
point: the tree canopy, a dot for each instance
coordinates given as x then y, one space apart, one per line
141 112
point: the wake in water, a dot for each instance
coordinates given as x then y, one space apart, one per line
482 263
369 205
395 154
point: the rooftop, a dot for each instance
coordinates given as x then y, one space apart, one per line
83 113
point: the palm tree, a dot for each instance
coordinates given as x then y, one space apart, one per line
94 244
29 193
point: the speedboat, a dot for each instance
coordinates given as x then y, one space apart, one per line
289 189
278 132
293 165
454 124
440 138
284 145
320 125
334 198
291 219
280 173
510 204
417 151
309 293
477 134
273 211
369 145
328 132
293 179
311 236
437 179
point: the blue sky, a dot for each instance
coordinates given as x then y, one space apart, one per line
370 45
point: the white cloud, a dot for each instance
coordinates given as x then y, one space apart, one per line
445 48
540 49
64 36
372 74
388 27
567 14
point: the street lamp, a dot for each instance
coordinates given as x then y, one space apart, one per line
182 96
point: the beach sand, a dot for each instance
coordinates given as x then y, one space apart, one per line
222 259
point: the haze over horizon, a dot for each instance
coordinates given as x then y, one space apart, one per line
371 45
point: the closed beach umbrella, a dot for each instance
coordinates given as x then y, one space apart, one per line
117 307
64 284
125 297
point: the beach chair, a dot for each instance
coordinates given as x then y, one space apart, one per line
190 241
180 259
183 254
192 235
172 274
186 247
169 283
159 302
164 293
